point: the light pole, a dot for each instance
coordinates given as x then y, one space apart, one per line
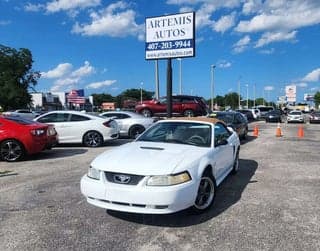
247 95
254 95
157 79
239 94
212 85
141 84
180 75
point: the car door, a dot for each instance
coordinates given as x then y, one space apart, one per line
60 122
223 150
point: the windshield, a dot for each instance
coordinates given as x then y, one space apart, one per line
190 133
226 117
20 120
295 113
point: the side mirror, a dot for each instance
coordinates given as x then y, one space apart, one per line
221 142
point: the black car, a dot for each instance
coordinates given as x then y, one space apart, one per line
315 117
275 116
236 120
247 113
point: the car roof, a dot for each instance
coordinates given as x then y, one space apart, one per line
72 112
197 119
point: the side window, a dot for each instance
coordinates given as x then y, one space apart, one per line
75 117
54 118
176 100
124 116
109 115
220 133
239 119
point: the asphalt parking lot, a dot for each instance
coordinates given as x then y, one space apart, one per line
273 203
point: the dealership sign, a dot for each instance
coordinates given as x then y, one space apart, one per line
308 97
291 93
170 36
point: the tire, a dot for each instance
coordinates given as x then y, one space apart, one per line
244 135
188 113
206 194
92 139
135 130
146 112
11 150
235 168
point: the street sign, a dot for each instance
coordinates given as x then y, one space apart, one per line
171 36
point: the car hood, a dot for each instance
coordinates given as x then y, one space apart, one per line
149 158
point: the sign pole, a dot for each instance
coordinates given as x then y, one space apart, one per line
169 88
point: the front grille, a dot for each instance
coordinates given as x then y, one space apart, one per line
123 178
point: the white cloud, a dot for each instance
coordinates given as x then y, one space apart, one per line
251 6
67 5
64 84
97 85
4 22
60 71
116 21
34 7
224 23
270 37
65 78
267 51
313 76
269 88
283 15
242 44
85 70
224 64
302 85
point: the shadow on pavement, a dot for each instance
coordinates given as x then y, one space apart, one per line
56 153
248 139
228 194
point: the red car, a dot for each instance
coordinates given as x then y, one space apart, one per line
20 137
182 105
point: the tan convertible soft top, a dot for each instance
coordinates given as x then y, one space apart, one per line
198 119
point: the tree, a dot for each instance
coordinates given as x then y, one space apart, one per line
232 100
98 99
16 77
317 99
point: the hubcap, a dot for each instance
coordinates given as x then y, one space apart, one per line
11 151
205 193
93 139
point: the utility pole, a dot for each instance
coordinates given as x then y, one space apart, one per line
212 85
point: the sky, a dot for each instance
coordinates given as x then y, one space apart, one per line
99 46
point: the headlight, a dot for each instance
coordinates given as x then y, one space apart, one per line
93 173
169 180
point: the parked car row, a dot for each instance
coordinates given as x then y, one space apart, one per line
20 137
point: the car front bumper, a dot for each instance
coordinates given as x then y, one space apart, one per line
139 198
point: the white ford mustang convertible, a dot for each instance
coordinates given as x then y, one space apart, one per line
175 164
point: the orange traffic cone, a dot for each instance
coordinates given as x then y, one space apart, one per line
278 131
256 131
300 132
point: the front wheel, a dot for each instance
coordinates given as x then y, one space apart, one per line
11 150
135 130
235 168
206 194
92 139
188 113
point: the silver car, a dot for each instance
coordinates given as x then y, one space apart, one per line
130 123
25 113
295 116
